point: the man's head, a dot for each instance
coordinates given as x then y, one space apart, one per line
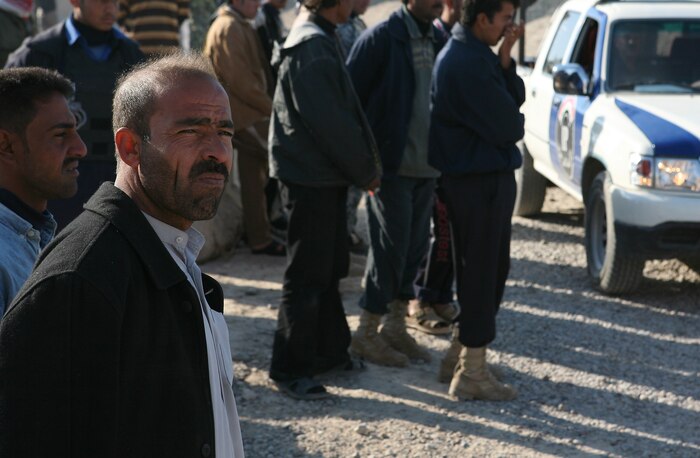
360 7
336 11
425 10
246 8
452 11
489 19
173 130
98 14
39 143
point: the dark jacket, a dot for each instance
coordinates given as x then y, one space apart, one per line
102 353
380 64
318 133
94 81
475 119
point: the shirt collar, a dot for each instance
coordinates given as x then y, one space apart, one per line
187 244
73 35
40 221
412 27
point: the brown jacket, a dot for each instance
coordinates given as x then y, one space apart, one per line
237 55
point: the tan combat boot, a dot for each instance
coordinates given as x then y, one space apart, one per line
472 379
394 333
368 344
451 358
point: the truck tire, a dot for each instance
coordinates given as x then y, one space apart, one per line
612 268
531 187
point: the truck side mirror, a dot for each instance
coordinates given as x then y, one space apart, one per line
570 79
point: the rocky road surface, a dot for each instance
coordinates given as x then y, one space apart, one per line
597 375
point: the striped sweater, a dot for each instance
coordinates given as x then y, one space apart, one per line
154 24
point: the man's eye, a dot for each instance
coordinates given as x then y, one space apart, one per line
188 131
226 133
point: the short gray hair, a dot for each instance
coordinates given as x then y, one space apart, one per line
138 90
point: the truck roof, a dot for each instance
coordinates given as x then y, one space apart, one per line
638 9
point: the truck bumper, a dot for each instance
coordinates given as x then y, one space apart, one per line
657 224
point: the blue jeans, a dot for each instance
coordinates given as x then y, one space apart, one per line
399 232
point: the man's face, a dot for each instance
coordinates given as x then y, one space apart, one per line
185 164
98 14
425 10
495 29
361 6
344 10
47 161
247 8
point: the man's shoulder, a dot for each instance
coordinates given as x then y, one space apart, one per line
50 42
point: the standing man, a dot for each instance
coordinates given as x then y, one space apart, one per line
39 153
348 34
475 124
434 309
140 360
89 51
319 144
154 25
15 23
234 49
390 66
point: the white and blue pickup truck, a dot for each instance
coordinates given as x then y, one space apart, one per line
612 117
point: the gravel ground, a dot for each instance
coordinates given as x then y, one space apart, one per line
597 375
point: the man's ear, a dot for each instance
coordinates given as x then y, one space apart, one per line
128 145
7 152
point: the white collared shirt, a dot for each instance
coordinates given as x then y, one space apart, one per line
184 248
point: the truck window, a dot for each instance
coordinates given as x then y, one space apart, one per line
584 51
555 56
655 56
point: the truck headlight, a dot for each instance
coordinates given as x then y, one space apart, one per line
678 174
665 173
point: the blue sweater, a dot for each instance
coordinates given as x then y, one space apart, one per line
475 119
380 65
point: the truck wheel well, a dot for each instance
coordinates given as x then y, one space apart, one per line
591 168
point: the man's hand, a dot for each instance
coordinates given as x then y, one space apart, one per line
374 184
510 36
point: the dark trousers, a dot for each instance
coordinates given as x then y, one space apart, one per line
480 208
312 333
436 273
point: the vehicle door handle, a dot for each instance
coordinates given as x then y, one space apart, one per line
533 92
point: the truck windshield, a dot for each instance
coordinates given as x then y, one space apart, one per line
661 56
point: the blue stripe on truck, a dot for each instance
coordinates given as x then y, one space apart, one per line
668 139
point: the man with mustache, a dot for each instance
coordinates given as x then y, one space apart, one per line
39 152
475 123
390 66
139 362
91 52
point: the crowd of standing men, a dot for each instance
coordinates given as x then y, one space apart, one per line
417 111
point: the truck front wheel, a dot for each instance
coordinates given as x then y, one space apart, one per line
531 187
613 269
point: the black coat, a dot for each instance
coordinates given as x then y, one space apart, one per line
102 353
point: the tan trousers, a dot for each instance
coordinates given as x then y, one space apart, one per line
253 172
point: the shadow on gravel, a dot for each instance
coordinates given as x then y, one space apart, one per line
537 234
570 218
257 443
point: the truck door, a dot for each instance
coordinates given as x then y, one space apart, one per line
541 93
567 111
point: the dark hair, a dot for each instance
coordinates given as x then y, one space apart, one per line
472 8
22 88
138 90
317 5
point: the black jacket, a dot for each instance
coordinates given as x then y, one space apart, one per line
102 353
318 133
